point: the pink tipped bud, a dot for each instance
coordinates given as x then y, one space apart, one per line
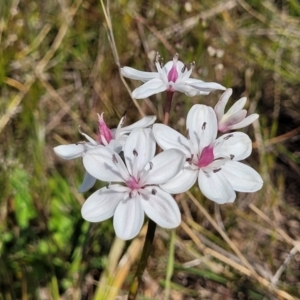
104 135
173 73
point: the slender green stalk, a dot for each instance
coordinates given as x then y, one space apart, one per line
170 267
143 261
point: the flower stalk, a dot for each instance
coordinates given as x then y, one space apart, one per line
134 286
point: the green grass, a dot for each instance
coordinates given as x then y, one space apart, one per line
57 70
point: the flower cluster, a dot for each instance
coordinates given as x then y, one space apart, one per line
140 182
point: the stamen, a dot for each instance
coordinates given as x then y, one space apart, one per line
192 65
157 57
217 170
161 61
135 152
114 159
231 156
79 129
190 160
123 119
228 136
204 126
154 192
183 69
151 165
219 158
188 134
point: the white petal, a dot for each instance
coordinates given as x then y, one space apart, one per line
88 182
167 138
236 145
122 140
228 122
149 88
247 121
115 146
236 117
220 106
242 177
237 106
182 182
202 126
105 164
138 75
216 187
70 151
142 123
164 166
139 150
161 208
101 205
204 86
182 87
129 218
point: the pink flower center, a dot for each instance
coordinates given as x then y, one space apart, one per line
105 135
206 157
173 74
133 184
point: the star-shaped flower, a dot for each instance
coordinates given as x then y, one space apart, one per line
235 118
215 162
171 77
139 191
112 138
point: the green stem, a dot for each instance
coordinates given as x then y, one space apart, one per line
170 268
143 261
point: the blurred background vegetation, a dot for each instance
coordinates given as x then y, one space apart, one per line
58 69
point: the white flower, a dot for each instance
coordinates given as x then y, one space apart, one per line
235 117
139 193
213 161
112 138
171 77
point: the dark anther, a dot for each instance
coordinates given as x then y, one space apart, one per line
217 170
228 136
151 165
189 160
130 195
183 69
135 152
154 191
114 159
204 126
231 156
